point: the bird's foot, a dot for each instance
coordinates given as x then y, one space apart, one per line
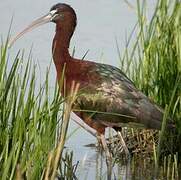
108 156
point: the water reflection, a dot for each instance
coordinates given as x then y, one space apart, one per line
93 166
96 163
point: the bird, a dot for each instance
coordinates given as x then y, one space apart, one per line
106 96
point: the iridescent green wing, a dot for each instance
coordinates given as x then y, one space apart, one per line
113 100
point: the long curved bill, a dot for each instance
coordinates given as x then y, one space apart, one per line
40 21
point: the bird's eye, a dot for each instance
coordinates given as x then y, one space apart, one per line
61 15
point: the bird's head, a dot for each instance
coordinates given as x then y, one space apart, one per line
62 14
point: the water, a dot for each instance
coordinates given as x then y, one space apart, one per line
100 22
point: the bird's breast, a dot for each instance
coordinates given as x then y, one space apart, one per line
77 72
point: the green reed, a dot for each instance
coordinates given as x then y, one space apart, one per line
29 121
153 62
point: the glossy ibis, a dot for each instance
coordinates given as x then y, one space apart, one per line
106 96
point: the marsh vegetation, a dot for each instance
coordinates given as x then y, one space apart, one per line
34 121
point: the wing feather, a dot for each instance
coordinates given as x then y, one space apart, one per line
114 100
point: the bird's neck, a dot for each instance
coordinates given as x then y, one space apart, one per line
60 48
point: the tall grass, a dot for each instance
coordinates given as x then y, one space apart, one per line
28 123
153 62
154 59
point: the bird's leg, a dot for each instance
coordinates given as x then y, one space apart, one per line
108 156
81 123
99 141
105 147
123 143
